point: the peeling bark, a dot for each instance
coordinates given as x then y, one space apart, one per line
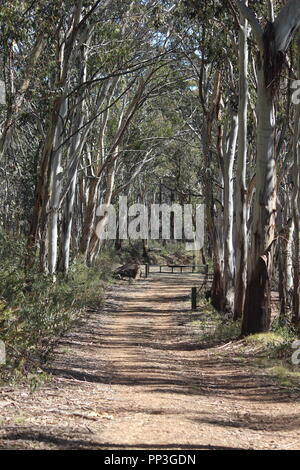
241 189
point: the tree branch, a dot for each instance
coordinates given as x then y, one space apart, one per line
249 14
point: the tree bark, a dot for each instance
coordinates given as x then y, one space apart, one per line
296 211
257 312
229 255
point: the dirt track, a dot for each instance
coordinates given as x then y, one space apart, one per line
130 378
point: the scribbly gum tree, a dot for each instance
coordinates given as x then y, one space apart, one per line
272 41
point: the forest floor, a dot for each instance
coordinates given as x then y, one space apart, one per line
132 377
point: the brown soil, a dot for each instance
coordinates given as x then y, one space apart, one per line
131 378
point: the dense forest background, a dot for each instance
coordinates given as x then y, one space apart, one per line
184 102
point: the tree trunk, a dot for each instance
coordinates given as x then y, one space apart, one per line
217 291
229 258
75 151
257 311
240 190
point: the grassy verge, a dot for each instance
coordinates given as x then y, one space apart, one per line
270 353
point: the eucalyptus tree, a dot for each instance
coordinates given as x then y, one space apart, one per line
147 85
272 42
112 41
25 28
149 51
228 154
296 208
209 54
241 174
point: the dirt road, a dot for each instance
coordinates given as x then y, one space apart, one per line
130 378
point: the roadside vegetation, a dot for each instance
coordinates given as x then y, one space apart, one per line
270 352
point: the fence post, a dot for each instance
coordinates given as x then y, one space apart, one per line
194 298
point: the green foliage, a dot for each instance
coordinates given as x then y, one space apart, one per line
212 328
33 316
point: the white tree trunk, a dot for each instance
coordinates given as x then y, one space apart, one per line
241 189
56 175
229 258
296 213
100 221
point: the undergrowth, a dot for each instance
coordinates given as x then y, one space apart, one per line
33 316
211 327
158 253
271 352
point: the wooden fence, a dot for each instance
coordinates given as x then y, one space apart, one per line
175 268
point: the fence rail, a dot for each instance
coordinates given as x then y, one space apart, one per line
175 268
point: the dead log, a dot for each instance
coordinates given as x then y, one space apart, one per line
128 270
